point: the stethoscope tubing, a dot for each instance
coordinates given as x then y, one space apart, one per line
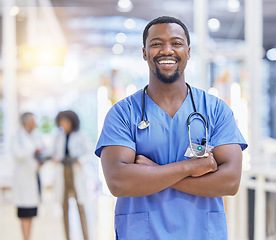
145 123
144 102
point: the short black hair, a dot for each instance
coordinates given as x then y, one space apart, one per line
165 19
71 116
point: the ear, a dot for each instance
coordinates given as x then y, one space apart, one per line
189 53
144 54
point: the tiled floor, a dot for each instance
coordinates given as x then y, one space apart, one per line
49 223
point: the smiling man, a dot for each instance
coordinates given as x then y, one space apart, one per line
171 151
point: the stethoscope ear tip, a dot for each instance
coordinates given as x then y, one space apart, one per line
143 124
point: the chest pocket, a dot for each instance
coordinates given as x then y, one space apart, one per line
217 227
132 226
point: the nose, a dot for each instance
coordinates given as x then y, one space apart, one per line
167 49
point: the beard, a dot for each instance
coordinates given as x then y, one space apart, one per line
165 78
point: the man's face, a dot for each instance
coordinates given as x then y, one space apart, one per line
166 51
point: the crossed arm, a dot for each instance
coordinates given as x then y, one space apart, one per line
128 175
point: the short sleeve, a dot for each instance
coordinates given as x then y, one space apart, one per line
116 130
225 129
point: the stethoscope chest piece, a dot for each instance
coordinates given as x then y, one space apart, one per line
143 124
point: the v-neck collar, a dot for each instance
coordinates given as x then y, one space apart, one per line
158 107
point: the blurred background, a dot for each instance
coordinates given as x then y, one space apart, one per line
85 55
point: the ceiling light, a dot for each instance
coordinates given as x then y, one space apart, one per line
213 24
271 54
233 5
129 23
124 5
121 37
14 11
117 49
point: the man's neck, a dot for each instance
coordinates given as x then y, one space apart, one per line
170 96
167 91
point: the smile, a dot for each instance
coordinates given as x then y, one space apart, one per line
167 62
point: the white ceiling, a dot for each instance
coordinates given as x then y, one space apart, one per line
93 23
85 12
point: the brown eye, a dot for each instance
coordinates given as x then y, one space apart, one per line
156 44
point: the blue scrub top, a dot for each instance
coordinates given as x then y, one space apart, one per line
169 214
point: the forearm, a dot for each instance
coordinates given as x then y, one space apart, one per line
128 175
134 180
220 183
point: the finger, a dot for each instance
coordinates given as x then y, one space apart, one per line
137 159
210 154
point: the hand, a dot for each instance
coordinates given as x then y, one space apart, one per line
203 165
140 159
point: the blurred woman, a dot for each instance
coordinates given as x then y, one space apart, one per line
72 148
26 145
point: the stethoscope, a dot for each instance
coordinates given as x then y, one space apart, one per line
145 123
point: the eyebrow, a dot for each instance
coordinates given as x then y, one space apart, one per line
173 38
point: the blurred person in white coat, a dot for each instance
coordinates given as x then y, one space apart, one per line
27 144
72 149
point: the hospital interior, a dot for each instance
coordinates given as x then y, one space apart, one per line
86 55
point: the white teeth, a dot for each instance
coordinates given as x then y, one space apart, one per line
167 61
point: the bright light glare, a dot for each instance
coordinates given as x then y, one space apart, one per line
45 56
243 116
124 5
213 24
213 91
239 106
25 91
271 54
233 5
14 11
130 89
117 49
121 37
70 69
129 23
235 97
104 105
242 119
31 56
